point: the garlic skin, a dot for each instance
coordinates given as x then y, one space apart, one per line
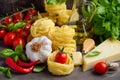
39 48
113 66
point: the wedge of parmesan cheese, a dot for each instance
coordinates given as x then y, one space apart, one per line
109 52
77 58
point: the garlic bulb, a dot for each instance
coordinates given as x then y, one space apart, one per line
39 48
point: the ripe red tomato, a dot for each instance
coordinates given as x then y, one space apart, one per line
21 33
28 17
32 11
6 21
8 39
2 33
61 57
27 27
101 68
17 16
18 41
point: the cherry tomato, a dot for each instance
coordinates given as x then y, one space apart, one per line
28 17
101 68
18 41
6 21
61 57
21 33
17 16
32 11
2 33
27 27
8 39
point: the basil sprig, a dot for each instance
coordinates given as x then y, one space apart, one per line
14 54
93 53
55 1
6 70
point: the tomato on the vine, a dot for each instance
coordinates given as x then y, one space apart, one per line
27 27
18 41
21 33
17 16
8 39
6 20
2 33
101 68
61 57
32 11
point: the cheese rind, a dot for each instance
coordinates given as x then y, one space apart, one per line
110 52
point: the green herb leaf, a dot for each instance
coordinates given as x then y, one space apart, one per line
8 73
39 68
19 48
15 58
18 25
7 53
23 57
11 26
2 26
92 54
55 1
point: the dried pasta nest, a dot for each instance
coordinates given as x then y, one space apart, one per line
58 68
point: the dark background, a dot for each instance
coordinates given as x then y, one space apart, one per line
7 7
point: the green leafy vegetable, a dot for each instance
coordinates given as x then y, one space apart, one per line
14 54
39 68
55 1
19 48
92 54
106 21
5 70
7 52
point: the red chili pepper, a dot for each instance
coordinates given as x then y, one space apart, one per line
24 64
10 62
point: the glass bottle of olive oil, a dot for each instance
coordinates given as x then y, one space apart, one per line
84 28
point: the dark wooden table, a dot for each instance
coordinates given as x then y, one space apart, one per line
77 74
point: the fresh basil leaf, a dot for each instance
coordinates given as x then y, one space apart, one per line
52 1
92 54
62 1
2 26
15 58
18 25
2 70
115 32
39 68
23 57
19 48
8 73
7 53
10 26
55 1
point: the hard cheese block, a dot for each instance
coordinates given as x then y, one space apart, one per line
109 52
77 58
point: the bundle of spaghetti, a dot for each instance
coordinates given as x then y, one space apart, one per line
42 27
63 37
58 13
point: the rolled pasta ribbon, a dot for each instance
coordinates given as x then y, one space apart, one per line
58 68
63 36
41 27
58 13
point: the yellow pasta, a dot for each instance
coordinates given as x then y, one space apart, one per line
58 68
63 36
58 13
41 27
